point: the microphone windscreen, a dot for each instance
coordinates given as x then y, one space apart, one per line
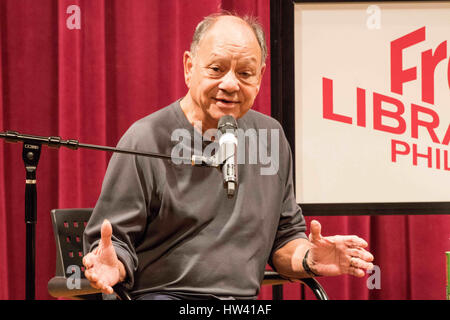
227 122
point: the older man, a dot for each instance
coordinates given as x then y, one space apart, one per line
170 232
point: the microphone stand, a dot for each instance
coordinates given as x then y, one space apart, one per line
31 152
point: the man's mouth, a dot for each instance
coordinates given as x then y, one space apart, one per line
226 101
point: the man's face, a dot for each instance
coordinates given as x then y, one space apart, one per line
225 74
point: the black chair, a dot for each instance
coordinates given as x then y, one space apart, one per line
70 282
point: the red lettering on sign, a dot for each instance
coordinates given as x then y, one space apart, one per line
429 63
398 75
430 126
379 112
328 112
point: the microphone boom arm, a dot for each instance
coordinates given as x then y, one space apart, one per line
57 142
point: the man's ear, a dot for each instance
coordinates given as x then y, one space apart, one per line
188 65
263 68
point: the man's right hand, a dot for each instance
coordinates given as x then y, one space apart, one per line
103 268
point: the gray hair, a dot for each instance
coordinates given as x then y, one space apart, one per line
209 21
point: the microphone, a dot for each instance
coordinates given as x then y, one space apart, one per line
228 153
225 158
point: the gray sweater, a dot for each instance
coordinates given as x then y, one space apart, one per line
174 228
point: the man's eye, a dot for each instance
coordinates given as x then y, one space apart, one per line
214 69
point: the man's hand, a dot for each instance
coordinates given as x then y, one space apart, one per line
335 255
103 268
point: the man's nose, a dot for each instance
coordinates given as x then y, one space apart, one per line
229 82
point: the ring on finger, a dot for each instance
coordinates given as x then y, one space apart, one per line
351 261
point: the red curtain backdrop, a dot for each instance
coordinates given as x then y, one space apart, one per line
92 83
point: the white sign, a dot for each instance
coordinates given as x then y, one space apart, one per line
372 99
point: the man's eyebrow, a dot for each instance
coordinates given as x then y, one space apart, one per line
219 56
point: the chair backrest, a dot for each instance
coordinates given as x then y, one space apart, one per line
68 228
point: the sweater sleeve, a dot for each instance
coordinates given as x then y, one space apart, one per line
124 202
292 224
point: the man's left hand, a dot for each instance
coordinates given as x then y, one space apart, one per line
335 255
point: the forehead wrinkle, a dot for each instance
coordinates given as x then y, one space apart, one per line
225 53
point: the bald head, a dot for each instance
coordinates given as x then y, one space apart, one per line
229 20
